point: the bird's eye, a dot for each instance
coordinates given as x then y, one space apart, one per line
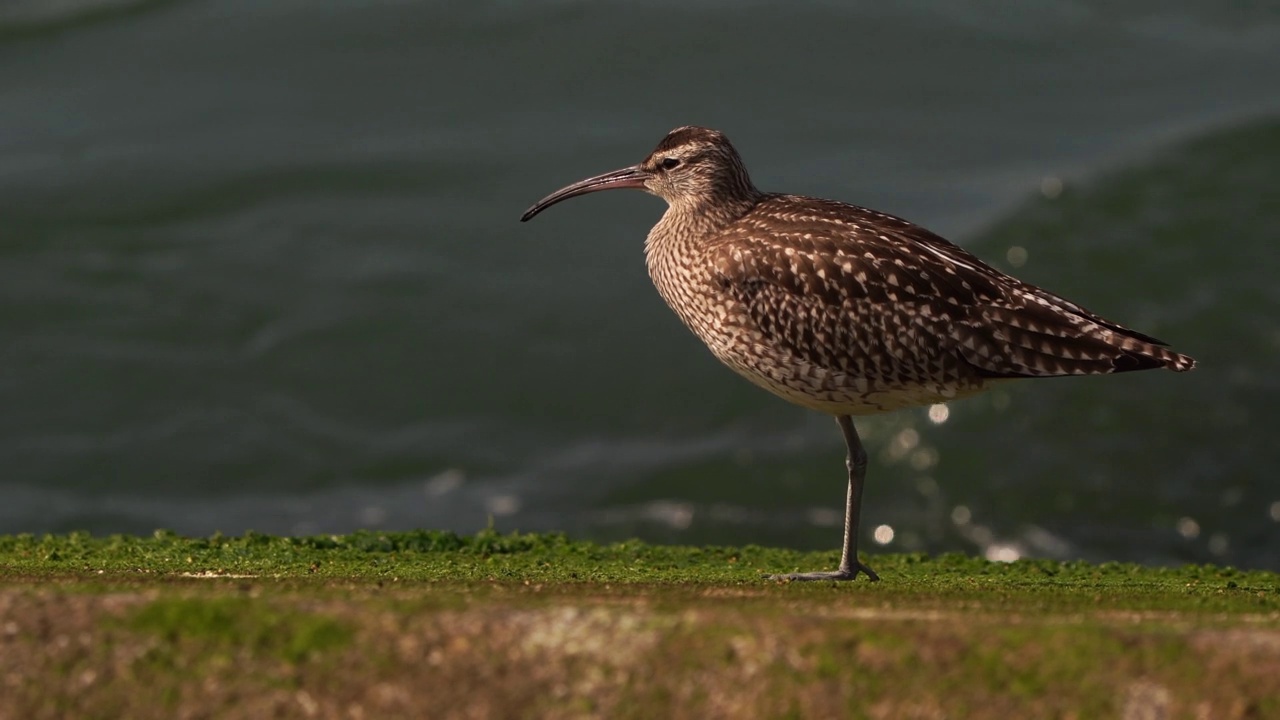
669 163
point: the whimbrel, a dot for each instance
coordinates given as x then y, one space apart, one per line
846 310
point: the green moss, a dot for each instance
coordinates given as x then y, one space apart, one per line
240 623
1036 586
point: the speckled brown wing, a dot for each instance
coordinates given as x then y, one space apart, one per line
817 282
875 296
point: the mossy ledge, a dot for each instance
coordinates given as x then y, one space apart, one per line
434 624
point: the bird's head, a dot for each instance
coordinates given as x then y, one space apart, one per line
692 167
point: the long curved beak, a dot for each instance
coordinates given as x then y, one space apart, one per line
628 177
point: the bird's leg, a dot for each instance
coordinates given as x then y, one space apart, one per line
856 462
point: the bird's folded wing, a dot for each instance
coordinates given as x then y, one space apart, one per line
906 303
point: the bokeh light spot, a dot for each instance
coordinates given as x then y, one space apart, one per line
883 534
1188 528
1017 256
1002 553
938 413
1219 543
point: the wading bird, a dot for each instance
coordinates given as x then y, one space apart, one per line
846 310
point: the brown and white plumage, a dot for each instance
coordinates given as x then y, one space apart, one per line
847 310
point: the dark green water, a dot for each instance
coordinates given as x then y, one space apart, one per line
260 267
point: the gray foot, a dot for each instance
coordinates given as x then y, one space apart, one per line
829 575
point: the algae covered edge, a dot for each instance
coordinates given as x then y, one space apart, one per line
428 556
